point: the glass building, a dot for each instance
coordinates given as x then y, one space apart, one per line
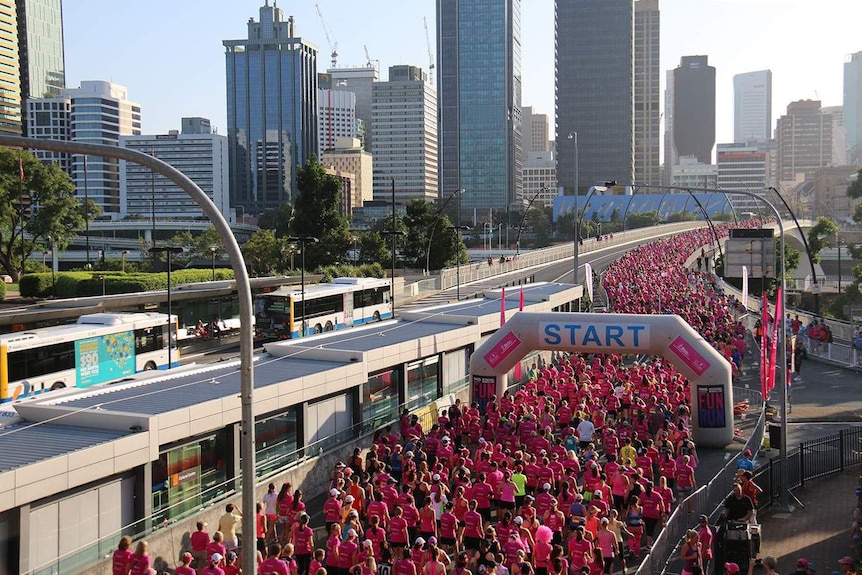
10 79
479 95
271 110
40 39
594 92
694 108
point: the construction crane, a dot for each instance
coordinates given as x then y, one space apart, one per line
333 44
370 62
430 54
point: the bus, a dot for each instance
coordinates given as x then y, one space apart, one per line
343 303
98 348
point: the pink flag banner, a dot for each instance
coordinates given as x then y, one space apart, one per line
773 348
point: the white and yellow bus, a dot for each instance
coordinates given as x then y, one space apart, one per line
343 303
99 348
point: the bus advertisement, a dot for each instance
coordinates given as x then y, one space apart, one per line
345 302
100 348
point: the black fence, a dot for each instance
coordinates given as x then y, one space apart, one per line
811 459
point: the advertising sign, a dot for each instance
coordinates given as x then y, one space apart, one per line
710 406
105 358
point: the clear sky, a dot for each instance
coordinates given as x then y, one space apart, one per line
169 53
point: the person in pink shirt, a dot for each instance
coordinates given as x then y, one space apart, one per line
273 565
121 557
139 561
215 562
199 541
685 480
185 567
654 511
471 532
398 532
580 549
606 541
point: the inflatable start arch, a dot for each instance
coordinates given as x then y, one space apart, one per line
667 335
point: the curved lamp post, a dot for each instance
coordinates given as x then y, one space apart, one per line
805 243
243 292
781 373
579 219
302 241
434 227
524 217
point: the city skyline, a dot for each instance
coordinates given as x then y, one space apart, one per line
189 81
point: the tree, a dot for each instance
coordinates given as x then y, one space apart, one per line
422 222
540 223
264 253
316 214
854 190
642 220
279 220
55 215
857 214
821 235
372 249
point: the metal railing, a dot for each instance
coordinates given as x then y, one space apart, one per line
705 500
479 271
101 549
811 460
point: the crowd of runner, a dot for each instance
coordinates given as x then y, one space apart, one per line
574 472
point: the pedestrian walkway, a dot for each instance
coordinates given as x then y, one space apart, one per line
819 531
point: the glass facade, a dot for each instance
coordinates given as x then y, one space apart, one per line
380 399
43 70
594 91
276 440
187 476
423 382
272 111
479 94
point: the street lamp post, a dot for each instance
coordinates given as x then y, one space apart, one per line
523 219
838 245
302 240
101 278
212 260
168 251
434 226
355 253
87 212
458 230
123 255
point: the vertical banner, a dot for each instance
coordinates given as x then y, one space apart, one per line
764 332
777 324
745 287
502 307
588 273
517 372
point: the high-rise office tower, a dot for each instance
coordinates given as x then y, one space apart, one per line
360 81
694 108
594 92
752 106
647 110
534 132
404 128
10 70
95 113
479 93
670 155
271 110
40 40
201 155
336 118
853 107
804 137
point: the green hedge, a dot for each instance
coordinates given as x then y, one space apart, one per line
2 290
83 284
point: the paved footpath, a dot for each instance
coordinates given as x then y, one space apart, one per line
826 400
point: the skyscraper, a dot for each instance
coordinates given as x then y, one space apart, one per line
647 110
534 132
271 110
336 118
200 154
10 78
360 81
594 91
752 106
40 39
404 120
479 92
95 113
853 107
804 137
694 108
